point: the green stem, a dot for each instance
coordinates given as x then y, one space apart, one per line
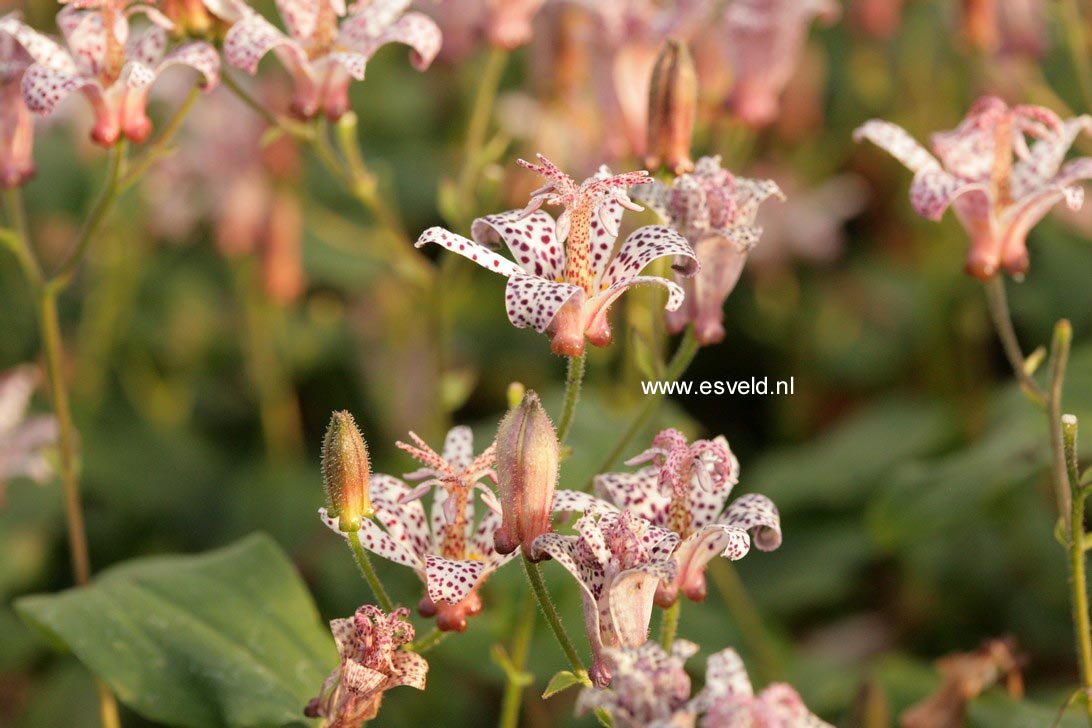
521 646
542 596
747 618
574 380
1059 356
61 278
158 148
998 304
368 571
17 239
680 362
278 407
1078 578
670 625
427 642
480 114
293 128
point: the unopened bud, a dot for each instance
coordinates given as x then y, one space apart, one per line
527 462
346 473
672 105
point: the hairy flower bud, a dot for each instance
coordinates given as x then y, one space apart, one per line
345 472
672 105
527 461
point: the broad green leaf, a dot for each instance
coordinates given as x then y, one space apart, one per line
997 710
226 638
559 682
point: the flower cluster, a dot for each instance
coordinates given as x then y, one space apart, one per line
565 275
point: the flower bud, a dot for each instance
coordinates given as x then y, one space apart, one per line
345 472
672 105
527 461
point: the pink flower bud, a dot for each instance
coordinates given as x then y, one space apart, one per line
527 461
672 104
346 472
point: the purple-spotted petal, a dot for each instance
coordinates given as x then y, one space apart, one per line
896 142
449 581
410 669
637 492
631 598
43 49
757 514
530 239
416 30
44 87
933 190
575 501
646 245
252 38
199 56
378 542
148 47
459 446
404 522
300 16
533 302
467 248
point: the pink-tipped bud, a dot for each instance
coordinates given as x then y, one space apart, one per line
527 461
672 106
346 472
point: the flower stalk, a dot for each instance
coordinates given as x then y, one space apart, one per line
574 381
368 571
542 596
1082 625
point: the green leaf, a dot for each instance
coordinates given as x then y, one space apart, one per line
559 682
226 638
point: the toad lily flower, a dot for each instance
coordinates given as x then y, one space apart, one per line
16 124
114 70
371 664
650 688
985 170
450 555
684 491
764 40
728 699
715 211
24 441
618 559
323 56
564 278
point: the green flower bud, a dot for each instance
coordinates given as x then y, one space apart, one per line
345 472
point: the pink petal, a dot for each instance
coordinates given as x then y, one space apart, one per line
251 38
198 55
726 675
416 30
898 144
448 581
533 302
1046 156
480 254
16 387
459 446
599 306
148 47
530 239
637 492
300 16
41 48
646 245
757 514
410 669
44 87
86 38
575 501
602 234
933 190
565 550
631 599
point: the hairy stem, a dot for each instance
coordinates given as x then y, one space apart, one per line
542 596
1078 576
368 571
574 380
426 643
670 624
1059 356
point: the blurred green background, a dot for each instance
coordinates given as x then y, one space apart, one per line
911 474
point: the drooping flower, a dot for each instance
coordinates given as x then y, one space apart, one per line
685 490
371 663
672 106
618 559
527 462
450 554
728 699
763 40
24 441
715 211
650 688
114 69
984 169
325 55
565 278
16 124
